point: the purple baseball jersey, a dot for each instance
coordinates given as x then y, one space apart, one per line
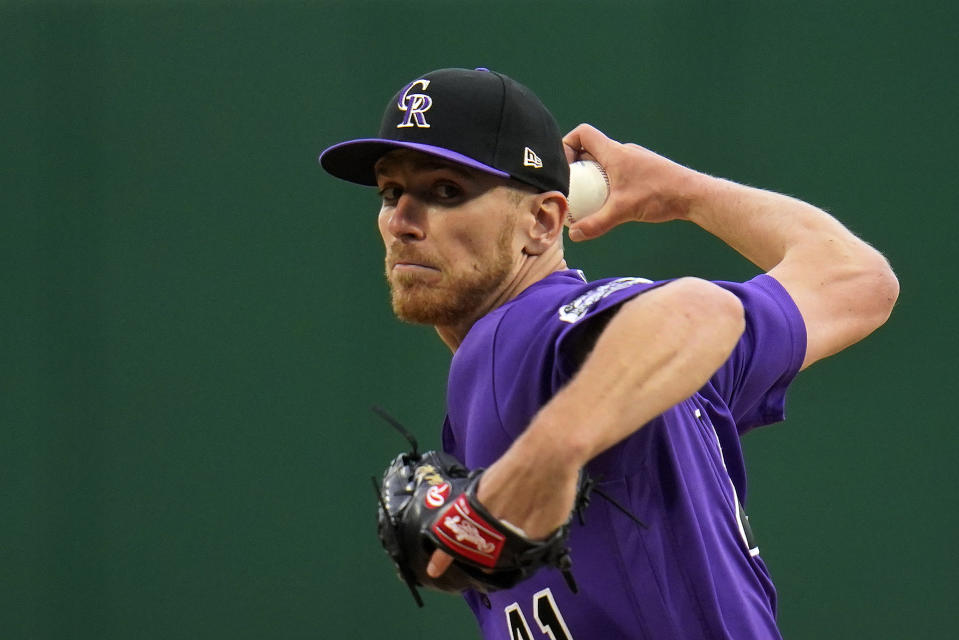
693 573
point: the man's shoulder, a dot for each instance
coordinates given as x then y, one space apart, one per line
577 308
540 304
549 307
531 313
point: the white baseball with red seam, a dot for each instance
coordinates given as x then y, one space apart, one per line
588 189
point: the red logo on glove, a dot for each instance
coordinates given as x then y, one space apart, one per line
462 529
437 495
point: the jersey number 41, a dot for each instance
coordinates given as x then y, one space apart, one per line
546 614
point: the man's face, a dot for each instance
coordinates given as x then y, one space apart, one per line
449 232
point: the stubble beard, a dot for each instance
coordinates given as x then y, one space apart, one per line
459 296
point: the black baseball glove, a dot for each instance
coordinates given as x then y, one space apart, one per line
428 502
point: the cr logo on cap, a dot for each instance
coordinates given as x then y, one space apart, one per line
415 105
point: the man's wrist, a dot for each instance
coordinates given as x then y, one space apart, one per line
696 191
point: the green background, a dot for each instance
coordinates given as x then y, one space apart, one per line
194 318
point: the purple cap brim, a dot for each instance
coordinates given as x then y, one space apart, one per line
354 160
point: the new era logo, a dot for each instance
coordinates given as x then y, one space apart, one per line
530 159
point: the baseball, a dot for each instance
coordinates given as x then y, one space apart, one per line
588 189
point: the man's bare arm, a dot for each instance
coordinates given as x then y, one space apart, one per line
843 287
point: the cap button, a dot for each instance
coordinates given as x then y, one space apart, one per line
481 69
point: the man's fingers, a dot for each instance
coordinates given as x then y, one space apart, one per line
577 154
574 139
585 142
439 563
592 227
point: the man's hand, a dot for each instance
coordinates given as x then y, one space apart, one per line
644 186
536 498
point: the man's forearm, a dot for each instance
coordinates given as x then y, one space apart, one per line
761 225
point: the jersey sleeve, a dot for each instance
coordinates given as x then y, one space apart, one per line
583 318
753 380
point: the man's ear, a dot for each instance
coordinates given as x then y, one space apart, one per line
548 213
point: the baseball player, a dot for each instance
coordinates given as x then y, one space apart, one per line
646 386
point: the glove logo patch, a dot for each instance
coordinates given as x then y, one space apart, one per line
427 473
463 530
437 494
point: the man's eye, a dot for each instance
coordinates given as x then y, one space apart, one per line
389 194
447 191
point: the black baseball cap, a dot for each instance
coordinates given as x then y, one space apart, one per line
477 118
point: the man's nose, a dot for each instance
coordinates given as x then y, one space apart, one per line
407 219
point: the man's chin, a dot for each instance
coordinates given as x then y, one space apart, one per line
418 312
450 303
421 305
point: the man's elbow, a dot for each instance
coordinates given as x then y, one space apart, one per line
880 290
871 290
